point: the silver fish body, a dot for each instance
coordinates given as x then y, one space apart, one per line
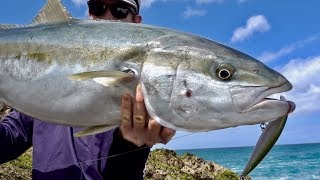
189 83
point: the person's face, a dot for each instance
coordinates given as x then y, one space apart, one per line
115 10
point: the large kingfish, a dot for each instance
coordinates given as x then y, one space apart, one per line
73 72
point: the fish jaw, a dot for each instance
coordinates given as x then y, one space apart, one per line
254 104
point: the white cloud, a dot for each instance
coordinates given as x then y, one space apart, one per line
304 76
147 3
189 12
254 24
79 3
208 1
269 56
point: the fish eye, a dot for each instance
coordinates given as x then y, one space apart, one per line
224 74
225 71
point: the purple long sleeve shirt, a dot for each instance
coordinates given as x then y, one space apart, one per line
58 155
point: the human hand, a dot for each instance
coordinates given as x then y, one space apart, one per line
136 124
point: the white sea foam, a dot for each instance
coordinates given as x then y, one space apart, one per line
283 178
315 176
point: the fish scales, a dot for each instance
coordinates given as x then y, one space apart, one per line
167 63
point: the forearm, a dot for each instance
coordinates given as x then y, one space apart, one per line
15 136
125 160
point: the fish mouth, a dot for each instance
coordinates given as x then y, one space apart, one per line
254 98
264 100
291 105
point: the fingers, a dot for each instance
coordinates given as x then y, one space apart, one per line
140 118
140 112
153 132
166 134
133 118
137 127
126 111
158 133
139 95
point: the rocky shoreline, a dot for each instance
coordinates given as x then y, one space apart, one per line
167 164
162 164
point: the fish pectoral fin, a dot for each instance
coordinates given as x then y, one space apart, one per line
106 78
94 130
53 11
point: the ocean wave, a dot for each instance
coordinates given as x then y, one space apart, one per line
284 178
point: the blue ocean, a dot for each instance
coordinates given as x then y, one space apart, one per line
284 162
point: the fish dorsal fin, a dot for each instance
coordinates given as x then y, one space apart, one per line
53 11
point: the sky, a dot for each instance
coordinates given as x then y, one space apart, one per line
285 35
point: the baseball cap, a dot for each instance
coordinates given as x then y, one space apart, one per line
135 3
